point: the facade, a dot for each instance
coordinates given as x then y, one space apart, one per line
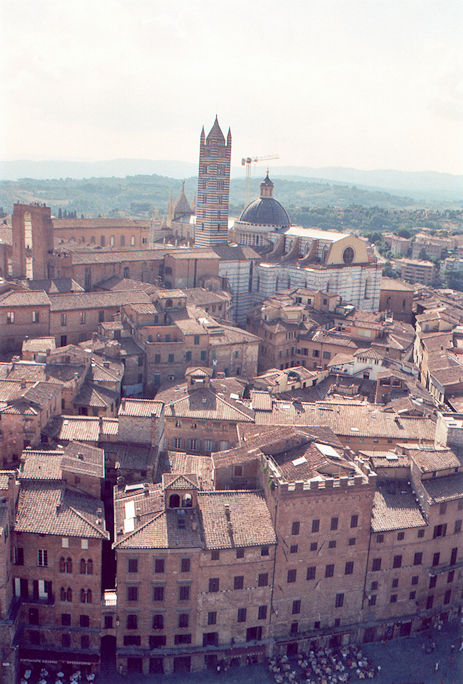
213 188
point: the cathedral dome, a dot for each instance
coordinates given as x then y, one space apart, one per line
266 211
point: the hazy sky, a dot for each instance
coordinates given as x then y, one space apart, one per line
362 83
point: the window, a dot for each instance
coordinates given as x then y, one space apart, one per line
311 570
412 595
376 565
420 534
291 577
65 640
182 639
132 621
63 319
393 598
85 596
133 565
397 562
203 355
215 555
457 528
400 536
442 508
196 339
372 600
293 548
86 566
134 640
432 581
213 584
212 618
315 353
158 621
170 358
241 615
334 524
374 586
65 619
158 593
379 538
159 565
329 570
313 546
66 594
183 620
354 520
84 544
42 558
447 596
240 553
184 592
429 602
294 628
395 583
188 356
10 317
440 531
349 568
238 582
262 579
132 593
35 317
332 544
84 620
264 551
18 555
352 541
415 579
339 601
84 641
262 613
436 559
450 576
296 609
132 240
418 558
295 527
185 565
453 556
315 525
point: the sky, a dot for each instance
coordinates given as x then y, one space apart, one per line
360 83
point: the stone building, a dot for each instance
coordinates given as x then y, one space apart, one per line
32 232
213 187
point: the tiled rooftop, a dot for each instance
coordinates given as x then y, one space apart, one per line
395 511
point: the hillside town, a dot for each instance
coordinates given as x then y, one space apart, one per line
223 440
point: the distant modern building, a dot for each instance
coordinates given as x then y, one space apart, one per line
213 188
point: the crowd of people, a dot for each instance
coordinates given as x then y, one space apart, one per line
323 666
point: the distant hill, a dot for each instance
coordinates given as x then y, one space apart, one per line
142 194
429 186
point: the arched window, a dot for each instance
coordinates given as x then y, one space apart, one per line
89 567
174 501
89 596
83 595
82 566
69 564
62 564
69 594
187 501
62 594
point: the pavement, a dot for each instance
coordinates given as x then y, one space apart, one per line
402 661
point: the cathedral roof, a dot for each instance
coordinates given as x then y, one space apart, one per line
182 206
266 211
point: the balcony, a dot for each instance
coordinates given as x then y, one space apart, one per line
109 599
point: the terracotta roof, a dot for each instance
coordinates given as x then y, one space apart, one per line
18 298
395 511
48 508
129 456
76 428
250 523
444 488
201 466
95 300
162 531
206 404
140 408
38 344
179 481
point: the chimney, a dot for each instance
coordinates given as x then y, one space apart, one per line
227 511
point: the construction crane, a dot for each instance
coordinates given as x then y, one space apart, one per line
248 162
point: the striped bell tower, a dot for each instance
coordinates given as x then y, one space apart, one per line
213 188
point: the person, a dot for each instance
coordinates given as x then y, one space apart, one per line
436 666
461 646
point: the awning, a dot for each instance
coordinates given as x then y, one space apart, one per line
36 655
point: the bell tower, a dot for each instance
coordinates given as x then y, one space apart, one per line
213 187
